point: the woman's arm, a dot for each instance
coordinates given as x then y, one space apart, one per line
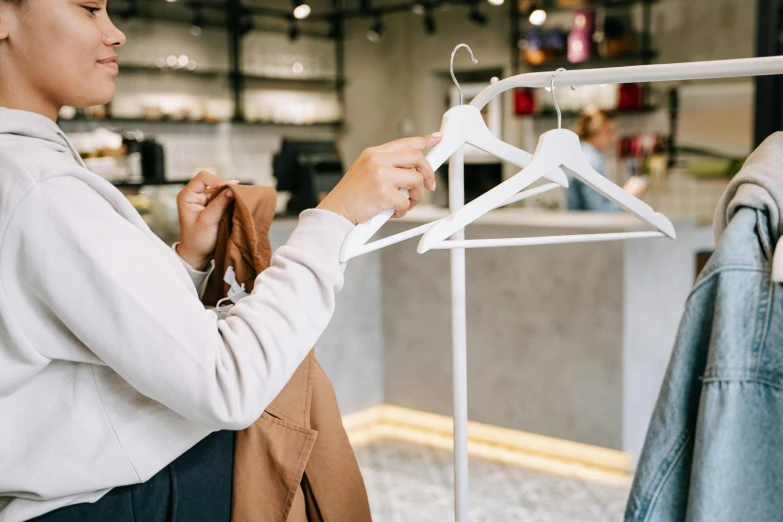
105 287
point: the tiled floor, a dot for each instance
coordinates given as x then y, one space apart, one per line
412 483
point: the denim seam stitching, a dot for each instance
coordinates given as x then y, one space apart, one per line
765 326
657 492
755 381
726 268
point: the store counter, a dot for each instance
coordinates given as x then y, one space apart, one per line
569 341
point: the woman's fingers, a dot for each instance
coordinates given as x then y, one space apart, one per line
408 179
412 159
413 143
372 183
206 183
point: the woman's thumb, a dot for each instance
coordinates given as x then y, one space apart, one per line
217 207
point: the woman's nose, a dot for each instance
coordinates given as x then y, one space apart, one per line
114 37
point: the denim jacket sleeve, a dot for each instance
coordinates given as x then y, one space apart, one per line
712 451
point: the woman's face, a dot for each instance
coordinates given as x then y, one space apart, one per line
58 52
605 138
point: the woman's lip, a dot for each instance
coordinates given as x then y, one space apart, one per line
112 65
113 59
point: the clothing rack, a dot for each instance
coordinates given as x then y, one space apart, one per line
633 74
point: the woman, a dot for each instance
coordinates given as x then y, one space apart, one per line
597 130
118 390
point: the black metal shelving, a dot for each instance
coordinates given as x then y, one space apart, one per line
126 122
604 4
235 17
614 61
550 113
158 183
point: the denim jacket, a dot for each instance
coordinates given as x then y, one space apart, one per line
714 448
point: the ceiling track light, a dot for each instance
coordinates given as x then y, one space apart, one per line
376 29
476 16
429 22
496 3
301 9
293 31
197 26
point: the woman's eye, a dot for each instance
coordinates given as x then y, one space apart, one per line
92 10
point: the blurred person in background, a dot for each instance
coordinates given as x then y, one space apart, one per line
597 130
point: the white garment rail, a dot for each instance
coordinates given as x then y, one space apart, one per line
632 74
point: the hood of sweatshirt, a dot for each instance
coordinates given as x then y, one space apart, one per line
759 185
19 127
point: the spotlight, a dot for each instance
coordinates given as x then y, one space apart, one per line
476 16
293 31
376 30
301 10
429 22
496 2
538 17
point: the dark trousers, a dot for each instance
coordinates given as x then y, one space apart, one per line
194 488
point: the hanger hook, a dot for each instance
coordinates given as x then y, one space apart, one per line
554 99
451 67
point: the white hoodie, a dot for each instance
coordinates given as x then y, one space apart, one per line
110 367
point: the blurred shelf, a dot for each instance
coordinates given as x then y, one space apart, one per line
321 83
139 184
550 113
165 182
141 121
607 4
198 73
615 61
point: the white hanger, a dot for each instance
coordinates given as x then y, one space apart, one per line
461 124
556 148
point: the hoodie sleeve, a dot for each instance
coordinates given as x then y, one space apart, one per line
117 294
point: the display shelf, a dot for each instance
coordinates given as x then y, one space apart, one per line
606 4
562 61
550 113
322 82
141 121
161 183
198 73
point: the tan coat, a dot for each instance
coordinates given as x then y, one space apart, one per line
295 464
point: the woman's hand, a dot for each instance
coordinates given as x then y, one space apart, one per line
201 205
636 186
372 184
